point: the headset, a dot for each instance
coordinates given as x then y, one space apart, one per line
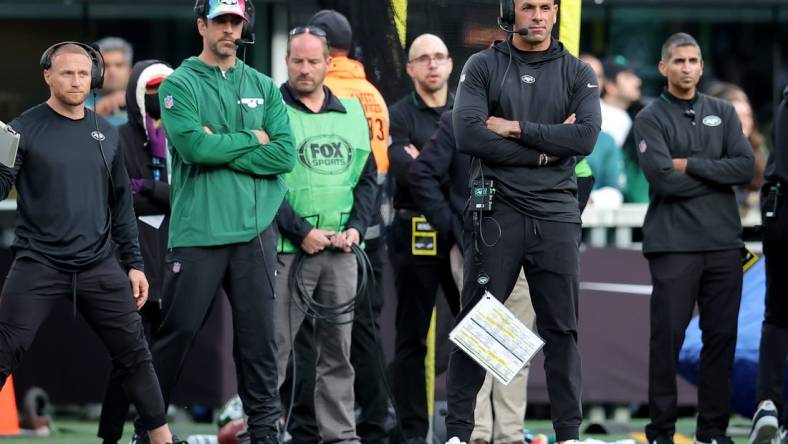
506 17
96 70
506 14
247 35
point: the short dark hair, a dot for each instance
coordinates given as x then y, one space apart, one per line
677 40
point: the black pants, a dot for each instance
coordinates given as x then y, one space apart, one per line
417 279
549 253
584 187
366 355
115 408
192 278
102 294
774 334
714 281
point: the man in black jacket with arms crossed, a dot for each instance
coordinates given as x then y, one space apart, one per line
511 105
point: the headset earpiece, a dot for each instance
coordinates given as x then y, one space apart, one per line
506 14
97 62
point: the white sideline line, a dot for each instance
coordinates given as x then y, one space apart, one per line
617 288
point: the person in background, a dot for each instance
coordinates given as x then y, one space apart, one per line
746 195
111 100
419 253
346 78
770 422
606 160
144 145
332 196
439 181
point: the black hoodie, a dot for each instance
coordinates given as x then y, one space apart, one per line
68 215
539 89
154 197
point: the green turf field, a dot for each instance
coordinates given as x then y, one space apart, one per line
84 432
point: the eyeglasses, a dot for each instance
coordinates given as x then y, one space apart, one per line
298 30
440 59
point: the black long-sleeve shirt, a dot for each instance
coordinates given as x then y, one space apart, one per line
365 193
693 211
539 89
412 122
777 166
67 214
439 180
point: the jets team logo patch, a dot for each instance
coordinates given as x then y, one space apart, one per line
528 79
712 121
98 135
642 147
169 102
253 102
327 154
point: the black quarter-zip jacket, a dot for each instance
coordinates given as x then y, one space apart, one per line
68 217
540 89
694 211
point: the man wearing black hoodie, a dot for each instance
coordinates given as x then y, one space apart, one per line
510 105
144 145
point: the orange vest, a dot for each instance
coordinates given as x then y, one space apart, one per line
346 78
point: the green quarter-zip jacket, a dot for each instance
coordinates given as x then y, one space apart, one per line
225 186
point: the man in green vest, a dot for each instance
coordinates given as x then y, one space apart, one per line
330 202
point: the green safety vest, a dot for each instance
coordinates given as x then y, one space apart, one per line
583 169
332 150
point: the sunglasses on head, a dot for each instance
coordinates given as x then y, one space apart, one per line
307 30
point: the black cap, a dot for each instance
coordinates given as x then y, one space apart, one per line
336 26
615 66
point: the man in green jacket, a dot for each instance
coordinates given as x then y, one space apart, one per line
230 141
331 200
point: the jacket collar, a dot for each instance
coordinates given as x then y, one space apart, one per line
419 103
330 103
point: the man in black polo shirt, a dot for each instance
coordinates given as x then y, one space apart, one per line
422 266
692 151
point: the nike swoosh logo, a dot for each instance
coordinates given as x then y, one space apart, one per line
592 86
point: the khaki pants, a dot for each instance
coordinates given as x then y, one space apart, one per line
508 402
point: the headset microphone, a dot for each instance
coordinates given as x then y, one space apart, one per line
242 42
521 31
